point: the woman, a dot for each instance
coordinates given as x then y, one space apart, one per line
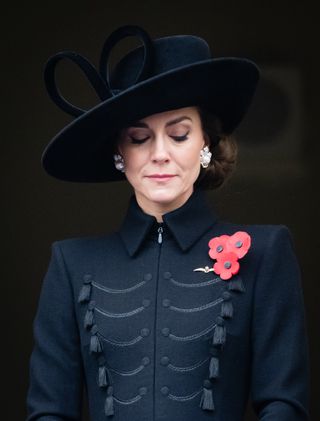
178 315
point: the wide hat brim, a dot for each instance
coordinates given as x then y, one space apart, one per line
83 150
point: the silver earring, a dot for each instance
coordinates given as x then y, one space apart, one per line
205 157
118 162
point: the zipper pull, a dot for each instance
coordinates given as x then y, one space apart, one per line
160 231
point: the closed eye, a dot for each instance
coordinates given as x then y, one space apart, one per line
180 138
176 138
138 141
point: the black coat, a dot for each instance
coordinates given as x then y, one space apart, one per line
126 315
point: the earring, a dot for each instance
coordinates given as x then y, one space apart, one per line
205 157
118 162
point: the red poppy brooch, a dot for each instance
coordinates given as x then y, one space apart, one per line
227 250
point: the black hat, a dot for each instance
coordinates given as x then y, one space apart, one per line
163 74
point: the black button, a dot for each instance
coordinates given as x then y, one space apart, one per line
214 351
164 360
94 329
102 360
147 277
165 390
145 331
165 331
146 302
207 384
167 275
226 295
142 390
91 305
145 360
166 302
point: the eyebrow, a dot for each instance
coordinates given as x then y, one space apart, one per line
169 123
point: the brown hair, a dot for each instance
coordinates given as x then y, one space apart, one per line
224 152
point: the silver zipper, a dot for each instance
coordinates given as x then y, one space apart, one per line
160 231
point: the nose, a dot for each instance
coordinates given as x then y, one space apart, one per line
160 152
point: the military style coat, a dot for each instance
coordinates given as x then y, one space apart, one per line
127 316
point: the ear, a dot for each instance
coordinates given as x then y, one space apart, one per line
118 149
206 139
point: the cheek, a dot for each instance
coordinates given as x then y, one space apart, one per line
190 159
134 162
190 165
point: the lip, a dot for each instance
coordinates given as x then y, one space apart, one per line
161 176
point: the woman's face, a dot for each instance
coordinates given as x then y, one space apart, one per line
162 157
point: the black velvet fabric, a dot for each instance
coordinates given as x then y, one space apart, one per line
127 304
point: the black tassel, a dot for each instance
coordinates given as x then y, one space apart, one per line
88 318
206 401
108 406
104 376
214 368
236 285
219 334
227 307
95 344
85 291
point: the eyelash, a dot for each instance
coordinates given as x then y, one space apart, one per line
176 138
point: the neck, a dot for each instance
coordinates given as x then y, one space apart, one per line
158 209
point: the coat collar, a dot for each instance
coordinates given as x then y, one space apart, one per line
186 224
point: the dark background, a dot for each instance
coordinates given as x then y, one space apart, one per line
277 179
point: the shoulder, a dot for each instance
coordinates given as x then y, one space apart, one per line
76 247
265 238
259 232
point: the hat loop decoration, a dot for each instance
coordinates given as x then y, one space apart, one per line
113 39
88 69
100 82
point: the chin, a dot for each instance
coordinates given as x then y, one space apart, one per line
165 196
